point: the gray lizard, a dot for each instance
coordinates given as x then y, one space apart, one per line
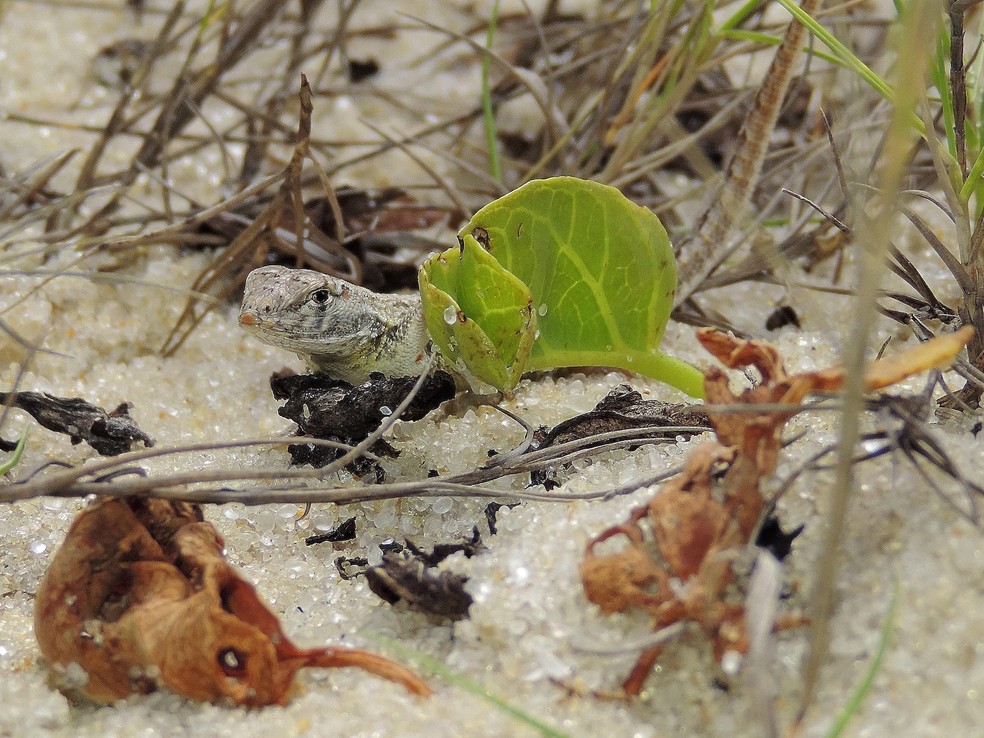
338 328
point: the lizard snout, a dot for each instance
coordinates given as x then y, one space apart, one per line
249 319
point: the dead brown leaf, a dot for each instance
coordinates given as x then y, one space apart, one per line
683 535
140 597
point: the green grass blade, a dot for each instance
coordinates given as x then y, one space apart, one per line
861 691
767 39
15 457
941 80
469 685
488 114
975 92
745 11
973 177
212 13
848 58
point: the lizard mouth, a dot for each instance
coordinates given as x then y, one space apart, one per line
249 320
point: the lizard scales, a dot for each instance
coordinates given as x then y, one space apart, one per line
337 328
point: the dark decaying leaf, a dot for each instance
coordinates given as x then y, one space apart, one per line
404 575
117 64
380 228
621 409
110 434
774 539
547 476
362 468
369 210
345 531
492 511
469 547
400 578
782 316
140 596
342 563
331 409
360 70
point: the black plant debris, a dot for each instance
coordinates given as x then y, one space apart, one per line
333 410
404 576
110 434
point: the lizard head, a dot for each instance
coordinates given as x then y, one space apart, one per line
339 329
300 310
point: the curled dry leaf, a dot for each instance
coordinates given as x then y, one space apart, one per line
140 596
109 433
683 535
405 575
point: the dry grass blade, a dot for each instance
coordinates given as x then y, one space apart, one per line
957 269
918 36
118 122
761 608
23 192
230 268
674 71
712 240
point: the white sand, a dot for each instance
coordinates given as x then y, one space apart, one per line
530 621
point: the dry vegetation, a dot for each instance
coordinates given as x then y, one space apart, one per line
824 168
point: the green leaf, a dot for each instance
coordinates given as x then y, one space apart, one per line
487 332
597 269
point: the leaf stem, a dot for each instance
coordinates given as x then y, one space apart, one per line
655 364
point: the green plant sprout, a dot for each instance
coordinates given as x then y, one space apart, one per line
853 705
561 272
466 684
490 326
15 457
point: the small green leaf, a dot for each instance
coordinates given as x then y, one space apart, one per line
571 266
487 332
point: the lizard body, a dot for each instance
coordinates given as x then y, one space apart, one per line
338 328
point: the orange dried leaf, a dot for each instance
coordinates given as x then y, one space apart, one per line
619 581
691 527
687 521
937 353
735 353
140 596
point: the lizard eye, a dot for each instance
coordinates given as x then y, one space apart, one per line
321 297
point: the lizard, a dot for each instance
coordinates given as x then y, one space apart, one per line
338 328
